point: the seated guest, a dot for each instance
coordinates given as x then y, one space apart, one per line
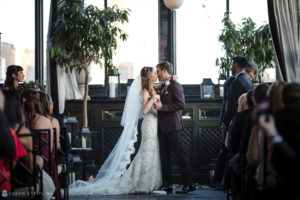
238 122
14 113
47 109
35 119
285 155
14 75
248 182
13 149
257 154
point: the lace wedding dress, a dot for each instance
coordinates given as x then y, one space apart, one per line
144 172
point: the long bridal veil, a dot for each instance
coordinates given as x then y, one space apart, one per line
115 165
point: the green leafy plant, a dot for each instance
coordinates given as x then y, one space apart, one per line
86 34
247 40
32 85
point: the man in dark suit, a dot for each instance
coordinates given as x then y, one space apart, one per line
223 152
170 125
240 85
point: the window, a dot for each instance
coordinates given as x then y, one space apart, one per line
17 39
46 13
141 47
257 10
198 25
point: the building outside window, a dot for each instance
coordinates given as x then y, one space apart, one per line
18 36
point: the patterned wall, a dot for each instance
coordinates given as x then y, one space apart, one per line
210 143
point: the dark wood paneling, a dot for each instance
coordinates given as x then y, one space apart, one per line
201 138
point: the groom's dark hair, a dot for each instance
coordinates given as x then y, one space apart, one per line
167 66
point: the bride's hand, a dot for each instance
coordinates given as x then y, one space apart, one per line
156 97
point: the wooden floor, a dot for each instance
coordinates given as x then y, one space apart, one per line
202 192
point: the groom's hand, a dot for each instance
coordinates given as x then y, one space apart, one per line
158 104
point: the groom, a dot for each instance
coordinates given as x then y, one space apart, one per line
170 126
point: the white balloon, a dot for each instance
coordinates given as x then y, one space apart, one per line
173 4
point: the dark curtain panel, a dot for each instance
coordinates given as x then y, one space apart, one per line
51 64
284 20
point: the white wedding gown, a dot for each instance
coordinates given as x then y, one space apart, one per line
144 173
142 176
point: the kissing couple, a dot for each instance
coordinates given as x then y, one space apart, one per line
150 170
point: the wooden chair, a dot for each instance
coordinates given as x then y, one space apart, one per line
44 138
33 181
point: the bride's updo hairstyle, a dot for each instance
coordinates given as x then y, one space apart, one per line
146 74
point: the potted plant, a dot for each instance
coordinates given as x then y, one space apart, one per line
247 40
81 35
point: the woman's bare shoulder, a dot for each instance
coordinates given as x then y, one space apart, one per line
43 122
24 130
55 122
145 92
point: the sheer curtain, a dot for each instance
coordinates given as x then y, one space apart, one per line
67 87
284 18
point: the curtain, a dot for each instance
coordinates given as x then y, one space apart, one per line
51 64
284 20
63 86
68 88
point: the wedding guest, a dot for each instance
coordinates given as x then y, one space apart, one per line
14 113
47 109
285 151
251 70
14 75
257 154
14 146
35 119
241 84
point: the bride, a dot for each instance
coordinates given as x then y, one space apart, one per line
144 172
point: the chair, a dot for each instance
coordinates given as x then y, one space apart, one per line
44 139
65 158
4 178
24 181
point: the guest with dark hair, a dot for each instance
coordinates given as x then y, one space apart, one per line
238 125
257 154
7 148
240 85
285 143
14 75
6 161
244 71
35 119
14 113
246 174
259 96
291 93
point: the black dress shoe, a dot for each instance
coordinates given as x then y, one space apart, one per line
186 189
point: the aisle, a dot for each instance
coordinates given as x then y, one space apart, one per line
202 192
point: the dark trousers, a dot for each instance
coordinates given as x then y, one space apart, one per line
170 142
220 164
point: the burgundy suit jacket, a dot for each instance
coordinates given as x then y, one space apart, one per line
170 115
